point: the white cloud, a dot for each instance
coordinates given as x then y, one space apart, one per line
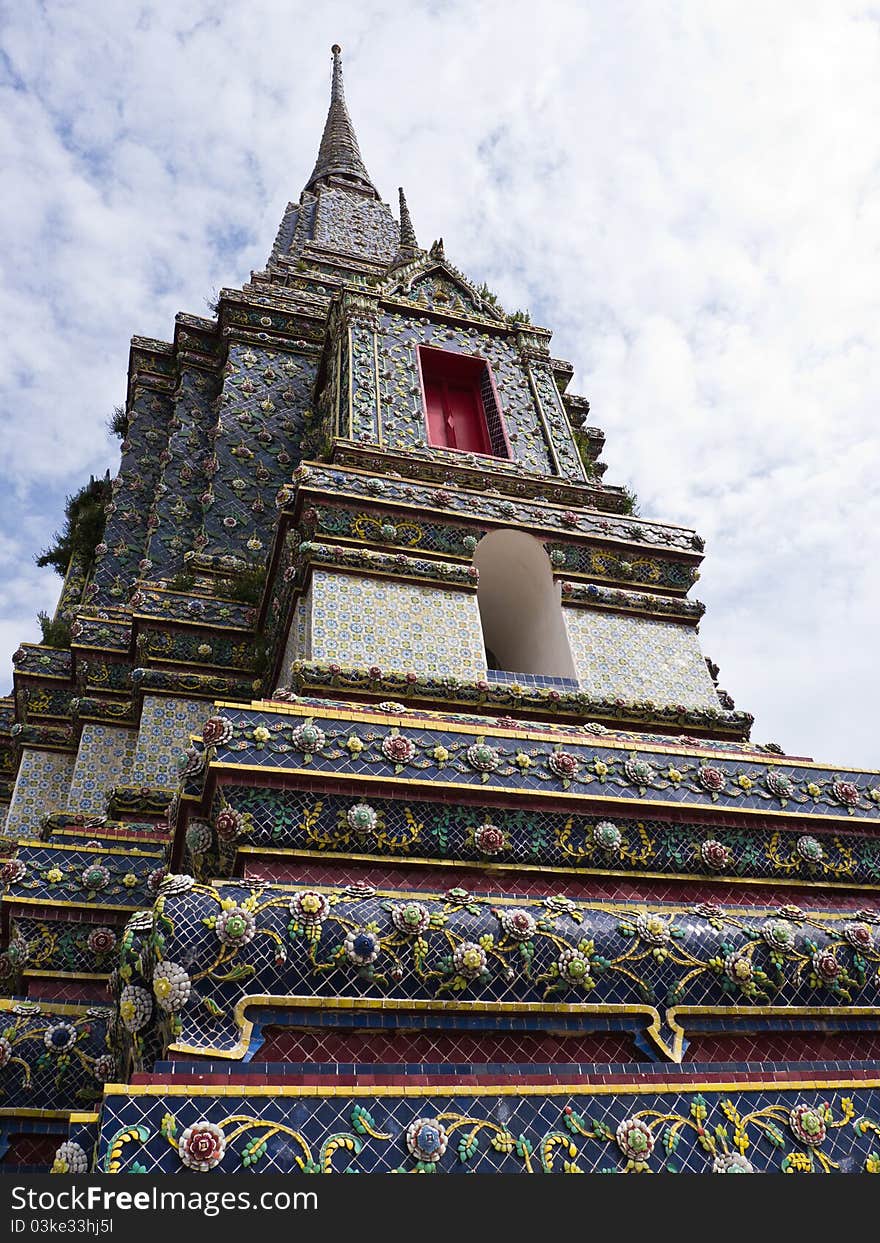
687 193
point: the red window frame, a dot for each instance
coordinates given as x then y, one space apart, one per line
453 401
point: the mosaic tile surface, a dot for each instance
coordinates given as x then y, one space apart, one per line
791 1128
103 761
638 658
42 786
166 724
363 621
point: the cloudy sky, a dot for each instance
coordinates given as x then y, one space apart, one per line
687 193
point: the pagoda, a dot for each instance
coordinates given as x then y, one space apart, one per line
377 809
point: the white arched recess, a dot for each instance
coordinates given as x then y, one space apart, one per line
520 606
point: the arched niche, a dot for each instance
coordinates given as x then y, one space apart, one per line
520 607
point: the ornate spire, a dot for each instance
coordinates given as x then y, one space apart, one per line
339 154
409 246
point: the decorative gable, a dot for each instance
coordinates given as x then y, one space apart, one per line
436 285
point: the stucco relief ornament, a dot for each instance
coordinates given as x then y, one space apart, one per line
732 1163
810 849
171 986
711 779
652 928
716 855
95 877
59 1037
104 1067
410 918
361 819
739 969
519 925
12 870
235 926
361 947
397 750
607 837
483 759
179 883
308 738
779 785
807 1125
5 1052
426 1139
191 762
779 935
135 1007
229 824
639 772
217 730
489 839
635 1140
575 968
201 1146
310 907
859 936
846 793
563 765
826 965
469 960
70 1158
198 837
101 940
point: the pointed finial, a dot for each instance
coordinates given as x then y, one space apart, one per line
339 154
407 232
437 251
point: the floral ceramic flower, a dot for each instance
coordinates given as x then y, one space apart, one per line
711 779
469 960
201 1146
205 650
859 936
130 880
229 824
54 876
426 1139
217 729
361 947
779 935
846 793
410 918
489 839
260 735
732 1163
518 924
198 837
673 775
483 758
563 764
135 1007
171 986
361 819
70 1158
809 849
104 1067
179 882
652 928
716 855
353 745
745 783
813 790
600 768
779 785
635 1139
575 968
397 749
95 876
11 870
607 836
5 1051
101 940
807 1124
639 772
826 965
522 761
739 968
235 926
308 737
191 762
440 754
310 907
59 1037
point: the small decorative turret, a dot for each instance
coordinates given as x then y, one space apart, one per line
408 250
